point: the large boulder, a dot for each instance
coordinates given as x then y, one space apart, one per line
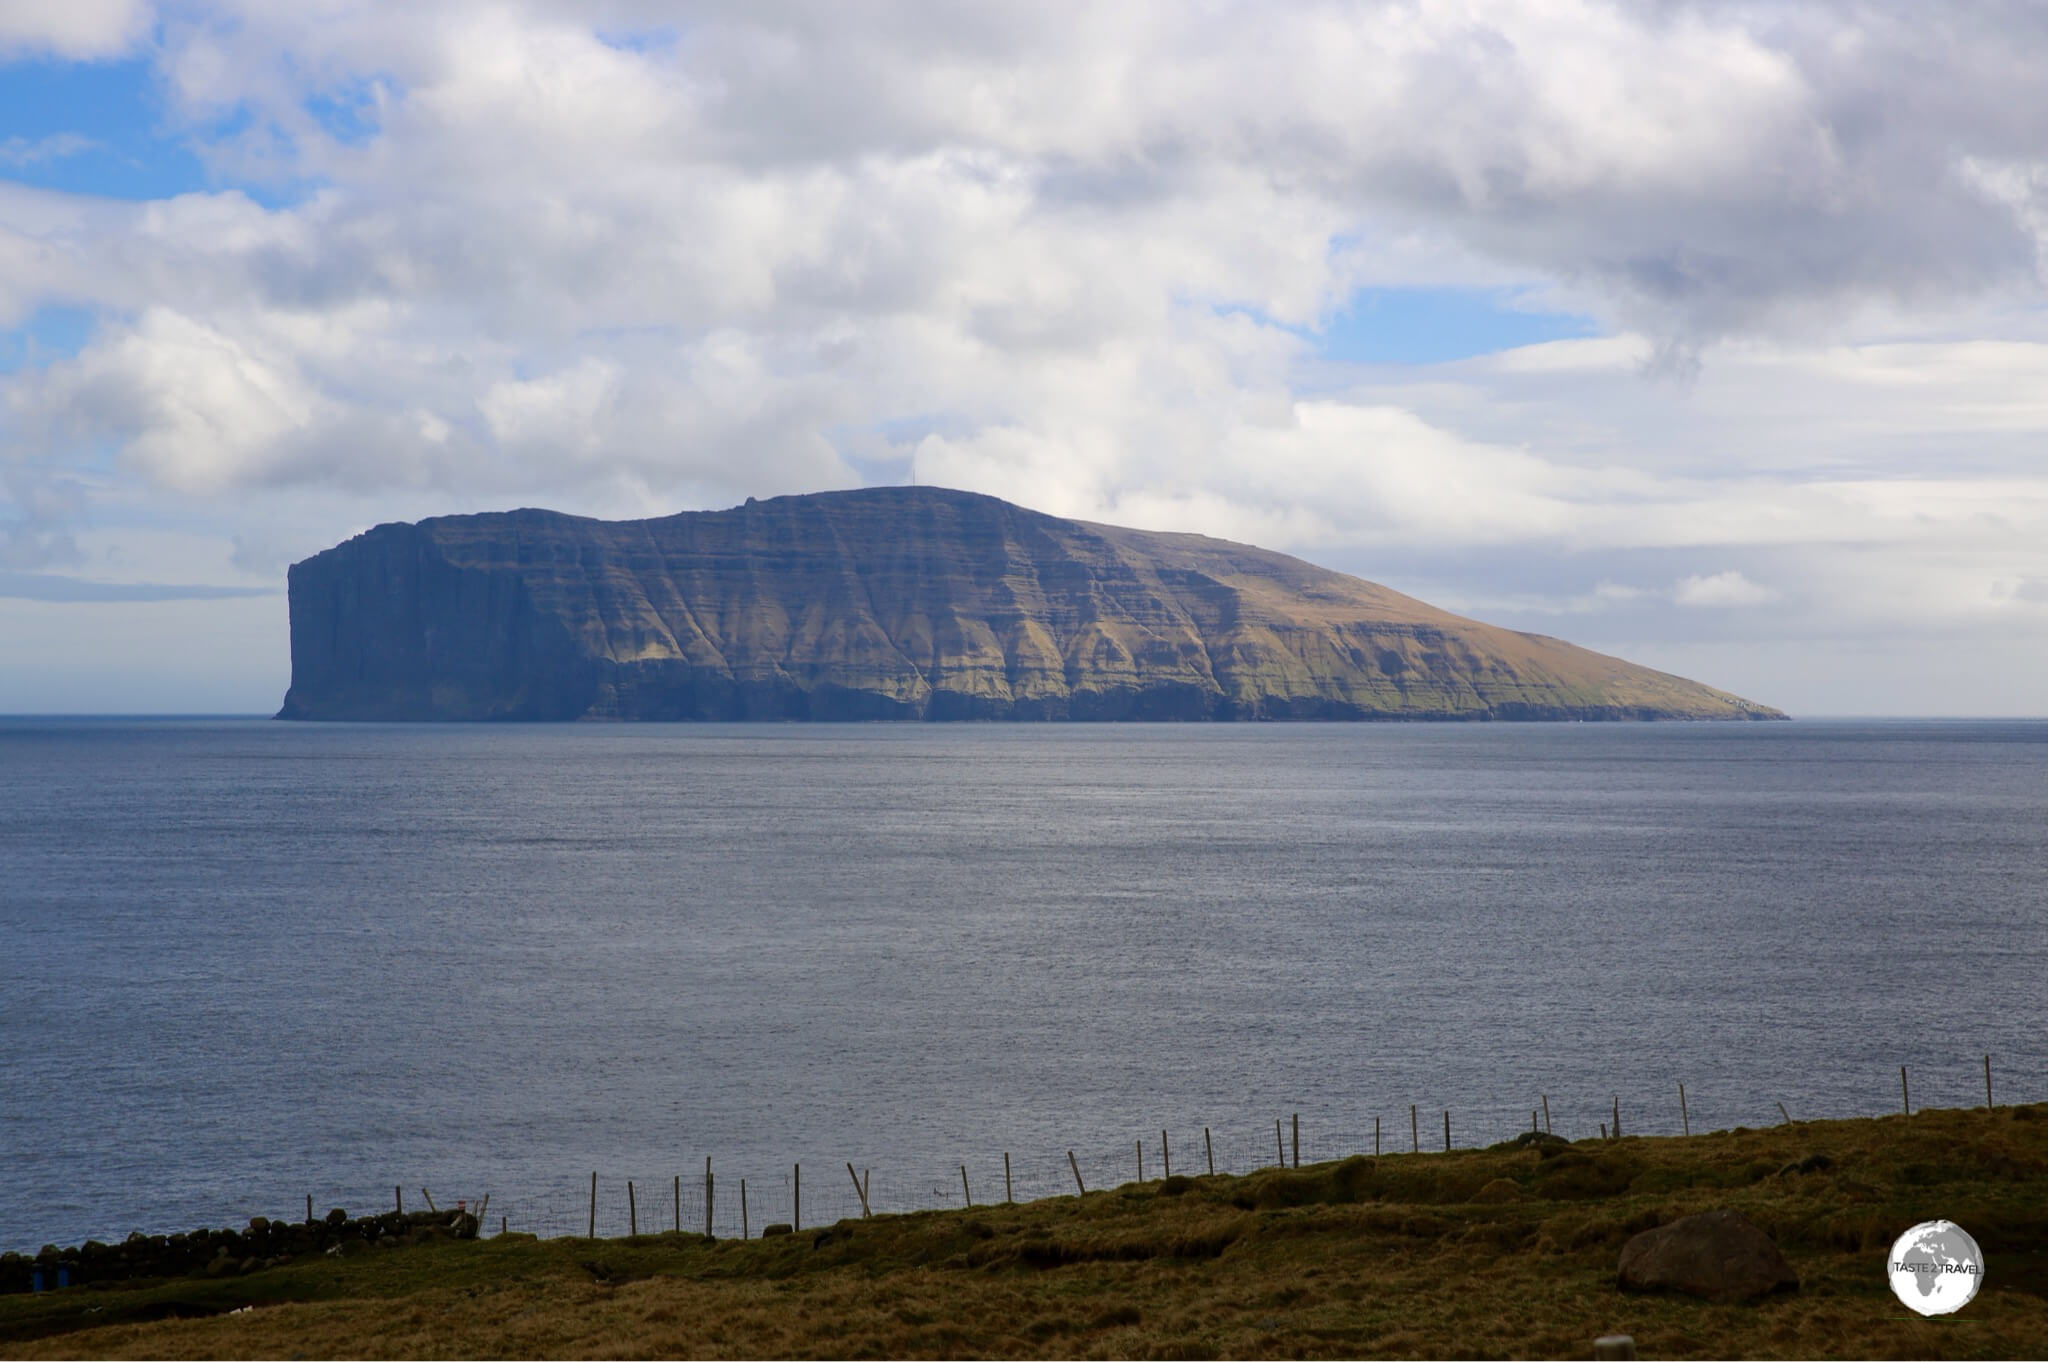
1718 1256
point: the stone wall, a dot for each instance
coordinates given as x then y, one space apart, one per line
220 1253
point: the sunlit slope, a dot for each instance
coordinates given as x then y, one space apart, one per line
903 603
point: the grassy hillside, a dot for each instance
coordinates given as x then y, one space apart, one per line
1501 1252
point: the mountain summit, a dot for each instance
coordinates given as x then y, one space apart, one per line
904 603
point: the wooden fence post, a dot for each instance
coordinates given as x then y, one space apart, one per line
1683 1116
632 1211
796 1196
1447 1132
593 1204
1375 1136
1076 1166
1141 1159
430 1200
1784 1113
398 1199
707 1196
1987 1103
1617 1116
1165 1158
678 1191
1297 1139
965 1195
864 1196
743 1208
1009 1196
1209 1150
1905 1097
1414 1131
1279 1147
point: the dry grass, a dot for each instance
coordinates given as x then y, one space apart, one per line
1488 1253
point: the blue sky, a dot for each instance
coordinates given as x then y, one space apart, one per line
1437 325
1626 326
96 128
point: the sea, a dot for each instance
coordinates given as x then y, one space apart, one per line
249 965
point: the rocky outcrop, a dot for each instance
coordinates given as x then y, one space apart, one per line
903 603
1718 1256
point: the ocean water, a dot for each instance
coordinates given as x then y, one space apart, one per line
244 962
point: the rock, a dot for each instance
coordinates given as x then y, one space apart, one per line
1538 1140
903 603
771 1231
1718 1256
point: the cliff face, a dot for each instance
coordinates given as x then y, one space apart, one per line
903 603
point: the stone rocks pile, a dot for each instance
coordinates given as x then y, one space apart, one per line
220 1253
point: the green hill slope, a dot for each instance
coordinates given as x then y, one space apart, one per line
1484 1253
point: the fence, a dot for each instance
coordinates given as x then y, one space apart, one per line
737 1202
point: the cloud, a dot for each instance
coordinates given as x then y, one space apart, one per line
20 152
1723 589
46 586
75 29
37 533
195 407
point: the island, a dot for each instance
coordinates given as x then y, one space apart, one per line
912 603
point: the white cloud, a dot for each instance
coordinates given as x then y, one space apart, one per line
1722 589
560 415
196 409
78 29
21 152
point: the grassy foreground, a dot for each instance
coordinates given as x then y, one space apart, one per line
1501 1252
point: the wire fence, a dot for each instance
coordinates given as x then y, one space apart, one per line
739 1202
740 1196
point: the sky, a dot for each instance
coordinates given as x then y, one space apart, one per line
1710 335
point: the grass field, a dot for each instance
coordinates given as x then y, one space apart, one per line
1501 1252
